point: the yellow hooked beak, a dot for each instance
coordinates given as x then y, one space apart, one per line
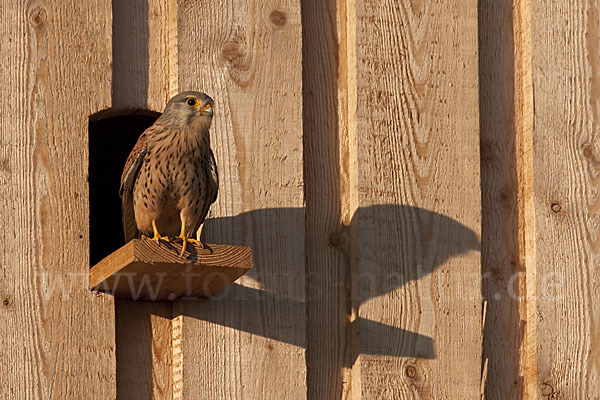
207 110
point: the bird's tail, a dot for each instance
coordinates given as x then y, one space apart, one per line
129 225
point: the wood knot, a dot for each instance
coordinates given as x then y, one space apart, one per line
278 18
5 166
548 391
555 207
37 17
411 372
505 197
231 51
336 239
588 152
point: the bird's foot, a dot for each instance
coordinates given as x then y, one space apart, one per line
197 243
157 238
201 244
184 242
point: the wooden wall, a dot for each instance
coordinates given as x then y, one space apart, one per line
56 337
565 83
395 165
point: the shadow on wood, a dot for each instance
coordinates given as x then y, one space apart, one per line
434 239
146 270
501 192
143 341
247 301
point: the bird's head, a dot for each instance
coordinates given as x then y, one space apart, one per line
190 108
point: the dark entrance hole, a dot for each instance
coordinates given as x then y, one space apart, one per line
111 138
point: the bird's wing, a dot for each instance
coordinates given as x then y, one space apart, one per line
212 188
213 176
128 177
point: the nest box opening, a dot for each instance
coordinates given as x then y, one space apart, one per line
111 138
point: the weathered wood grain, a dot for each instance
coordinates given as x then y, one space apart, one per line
145 270
247 56
162 53
56 337
524 124
418 132
131 54
565 66
502 268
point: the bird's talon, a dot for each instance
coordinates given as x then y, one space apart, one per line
157 238
185 241
183 246
197 243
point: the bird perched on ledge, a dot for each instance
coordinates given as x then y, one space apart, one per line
170 178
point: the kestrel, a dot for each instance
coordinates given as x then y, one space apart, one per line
170 178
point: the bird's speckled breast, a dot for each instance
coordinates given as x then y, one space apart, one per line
172 182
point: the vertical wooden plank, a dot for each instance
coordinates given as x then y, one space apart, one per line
565 43
56 337
144 53
131 54
247 56
419 199
327 86
503 272
326 269
162 53
143 338
524 110
143 50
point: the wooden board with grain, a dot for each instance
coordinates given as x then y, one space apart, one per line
145 270
57 338
502 269
329 172
250 343
144 54
565 128
143 340
419 209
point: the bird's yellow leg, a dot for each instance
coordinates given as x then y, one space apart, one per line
157 238
187 240
198 241
183 238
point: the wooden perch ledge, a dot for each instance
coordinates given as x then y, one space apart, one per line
145 270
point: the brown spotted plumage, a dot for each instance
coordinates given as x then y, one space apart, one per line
170 178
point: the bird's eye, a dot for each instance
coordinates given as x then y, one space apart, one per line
192 102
